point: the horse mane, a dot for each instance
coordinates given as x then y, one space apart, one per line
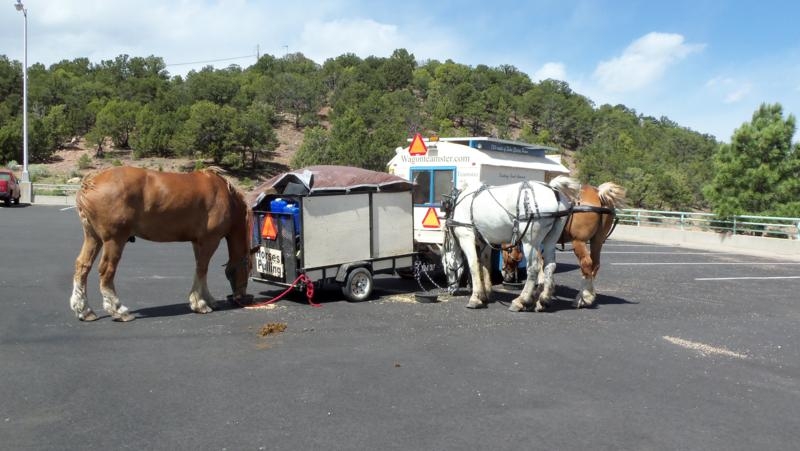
238 195
612 195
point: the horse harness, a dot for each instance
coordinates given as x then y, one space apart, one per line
599 210
529 214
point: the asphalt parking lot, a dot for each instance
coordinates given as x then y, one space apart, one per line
686 349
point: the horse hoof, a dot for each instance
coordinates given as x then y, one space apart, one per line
516 307
87 315
476 304
202 308
124 317
540 307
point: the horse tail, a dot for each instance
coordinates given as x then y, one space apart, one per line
611 195
567 186
82 204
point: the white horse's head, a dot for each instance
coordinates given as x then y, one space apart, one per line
452 261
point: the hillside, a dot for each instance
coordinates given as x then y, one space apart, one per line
64 167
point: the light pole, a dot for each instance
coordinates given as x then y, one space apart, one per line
25 176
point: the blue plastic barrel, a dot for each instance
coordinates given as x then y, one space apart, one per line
294 210
277 206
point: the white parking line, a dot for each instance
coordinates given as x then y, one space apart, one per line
702 347
702 263
748 278
662 253
66 208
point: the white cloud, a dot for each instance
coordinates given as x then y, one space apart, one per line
729 89
556 71
364 37
643 62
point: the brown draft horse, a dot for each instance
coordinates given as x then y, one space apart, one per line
591 222
120 203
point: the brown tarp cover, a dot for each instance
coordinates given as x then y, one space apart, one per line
327 180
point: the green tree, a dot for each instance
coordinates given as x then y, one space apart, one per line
207 131
154 132
56 126
253 132
11 141
218 86
299 95
758 173
117 120
397 71
315 149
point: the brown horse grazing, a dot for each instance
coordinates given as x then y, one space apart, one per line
124 202
591 221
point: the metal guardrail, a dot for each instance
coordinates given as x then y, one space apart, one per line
766 226
45 189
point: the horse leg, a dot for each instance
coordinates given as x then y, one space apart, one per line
112 252
466 240
530 289
549 264
485 265
547 286
200 297
83 264
589 294
585 296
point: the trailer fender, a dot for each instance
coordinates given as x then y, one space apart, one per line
341 274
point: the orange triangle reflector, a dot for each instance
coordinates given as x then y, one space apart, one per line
268 230
417 146
431 220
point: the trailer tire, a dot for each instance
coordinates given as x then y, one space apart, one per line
358 286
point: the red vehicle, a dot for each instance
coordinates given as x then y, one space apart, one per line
9 187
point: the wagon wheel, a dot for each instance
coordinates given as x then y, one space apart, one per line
358 286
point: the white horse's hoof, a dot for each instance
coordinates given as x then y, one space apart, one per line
516 307
87 315
202 308
540 307
584 301
475 304
123 317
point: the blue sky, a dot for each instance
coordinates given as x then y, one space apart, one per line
706 65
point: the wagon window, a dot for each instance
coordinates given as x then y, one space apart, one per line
442 184
431 185
422 187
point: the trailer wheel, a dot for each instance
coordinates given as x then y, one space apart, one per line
358 286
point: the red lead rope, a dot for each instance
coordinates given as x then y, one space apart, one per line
309 292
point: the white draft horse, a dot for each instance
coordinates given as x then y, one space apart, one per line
592 220
120 203
530 213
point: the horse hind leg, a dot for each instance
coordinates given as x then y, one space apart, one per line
78 302
586 295
112 252
200 297
485 264
549 265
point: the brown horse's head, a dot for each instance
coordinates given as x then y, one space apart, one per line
240 254
512 255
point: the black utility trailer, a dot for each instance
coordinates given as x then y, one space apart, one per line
332 224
